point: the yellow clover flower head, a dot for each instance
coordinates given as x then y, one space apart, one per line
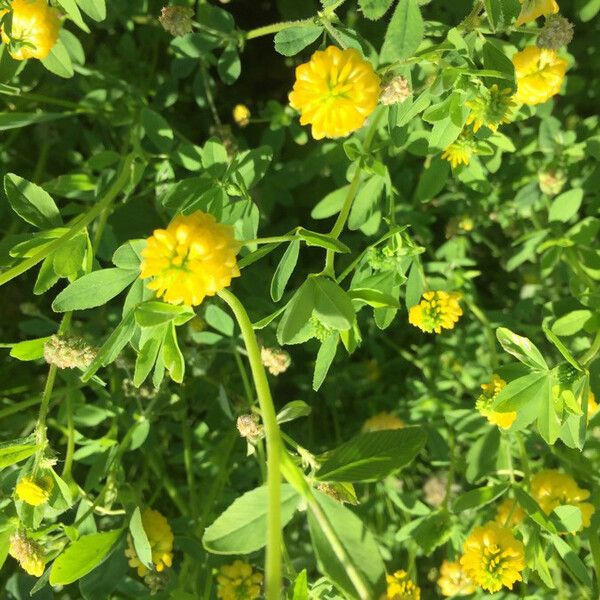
29 554
509 513
192 258
532 9
34 491
160 536
493 557
238 581
540 73
436 311
35 25
490 108
241 115
401 587
453 580
382 421
485 401
551 488
335 92
461 150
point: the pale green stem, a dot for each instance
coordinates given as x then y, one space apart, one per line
273 579
269 240
524 458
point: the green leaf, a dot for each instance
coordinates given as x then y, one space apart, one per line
478 497
565 206
331 204
293 410
172 355
573 562
366 202
129 255
72 10
501 12
29 349
495 59
292 40
93 289
157 129
325 357
242 528
521 348
300 591
16 120
548 421
432 179
59 61
140 540
321 240
374 9
148 354
486 455
374 298
229 66
372 456
358 542
561 347
68 259
404 33
96 9
15 451
333 306
31 202
284 270
532 508
297 313
571 323
218 319
82 556
155 312
569 518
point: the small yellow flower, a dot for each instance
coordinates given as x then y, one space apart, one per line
241 115
34 491
509 513
592 406
490 108
381 422
540 73
485 401
493 557
551 488
192 258
160 536
28 553
238 581
36 25
453 581
532 9
436 311
401 587
460 151
335 92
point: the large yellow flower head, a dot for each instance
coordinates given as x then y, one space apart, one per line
454 581
436 311
34 491
485 401
192 258
238 581
36 25
490 108
28 553
532 9
540 73
382 421
552 488
401 587
493 557
335 92
509 513
160 536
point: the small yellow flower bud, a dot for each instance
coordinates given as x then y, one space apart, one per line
241 115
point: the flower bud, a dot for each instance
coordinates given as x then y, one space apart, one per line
276 360
68 352
556 33
250 428
177 20
29 554
551 182
396 91
241 115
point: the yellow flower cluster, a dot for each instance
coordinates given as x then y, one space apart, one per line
34 491
509 513
335 92
192 258
490 108
382 421
160 536
241 115
552 488
540 73
29 554
454 581
401 587
238 581
35 27
461 150
532 9
493 557
485 401
436 311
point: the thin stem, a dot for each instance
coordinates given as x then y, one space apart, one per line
276 27
333 33
269 240
77 225
489 333
66 473
188 459
273 577
450 477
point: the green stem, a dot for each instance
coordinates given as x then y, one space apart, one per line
489 333
589 356
269 240
188 459
524 458
273 578
66 473
450 477
77 225
333 33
